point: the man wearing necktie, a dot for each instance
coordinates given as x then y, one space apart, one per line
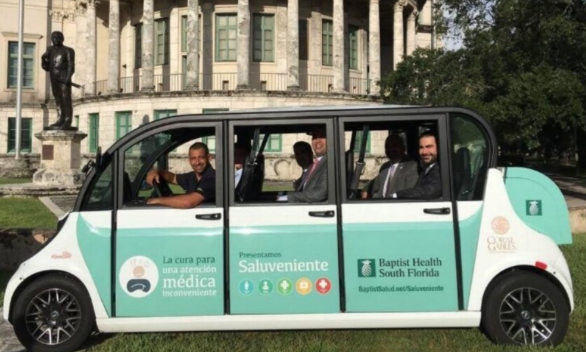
315 187
429 184
398 173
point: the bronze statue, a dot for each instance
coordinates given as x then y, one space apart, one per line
59 61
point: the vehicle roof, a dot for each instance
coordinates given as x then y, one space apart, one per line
325 107
293 112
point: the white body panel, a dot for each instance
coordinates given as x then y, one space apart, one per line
357 213
62 254
168 218
530 246
292 322
290 214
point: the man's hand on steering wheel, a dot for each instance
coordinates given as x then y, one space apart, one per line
152 177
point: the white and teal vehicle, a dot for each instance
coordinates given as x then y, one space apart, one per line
483 254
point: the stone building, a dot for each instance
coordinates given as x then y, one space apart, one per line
140 60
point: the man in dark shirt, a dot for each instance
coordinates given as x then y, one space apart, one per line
199 184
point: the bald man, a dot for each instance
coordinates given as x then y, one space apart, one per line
396 174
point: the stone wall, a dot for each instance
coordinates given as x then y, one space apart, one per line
24 167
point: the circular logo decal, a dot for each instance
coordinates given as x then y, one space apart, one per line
246 287
139 276
323 285
303 286
265 287
285 286
500 225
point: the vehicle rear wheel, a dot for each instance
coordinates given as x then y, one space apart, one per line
53 314
524 308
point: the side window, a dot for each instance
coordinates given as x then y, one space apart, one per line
281 163
168 151
470 157
99 197
400 160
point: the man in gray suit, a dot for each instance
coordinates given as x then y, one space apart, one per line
315 187
396 174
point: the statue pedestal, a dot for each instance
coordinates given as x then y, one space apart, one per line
60 159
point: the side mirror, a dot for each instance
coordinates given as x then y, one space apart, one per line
89 166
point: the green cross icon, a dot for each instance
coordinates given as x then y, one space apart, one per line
285 286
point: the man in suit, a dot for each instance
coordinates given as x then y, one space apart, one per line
241 151
429 184
304 158
396 174
315 187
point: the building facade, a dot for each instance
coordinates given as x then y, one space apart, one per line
140 60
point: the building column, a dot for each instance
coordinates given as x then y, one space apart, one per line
192 75
114 46
80 49
398 47
243 45
339 83
293 45
148 47
374 46
411 28
207 9
90 60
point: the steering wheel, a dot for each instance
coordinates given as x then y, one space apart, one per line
162 189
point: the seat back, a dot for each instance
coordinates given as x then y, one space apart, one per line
349 169
251 182
462 175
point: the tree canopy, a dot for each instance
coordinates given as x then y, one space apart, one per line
522 66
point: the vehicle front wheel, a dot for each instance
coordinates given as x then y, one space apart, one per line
526 309
53 314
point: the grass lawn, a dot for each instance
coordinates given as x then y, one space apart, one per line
7 181
25 213
428 340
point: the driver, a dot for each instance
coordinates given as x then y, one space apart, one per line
199 184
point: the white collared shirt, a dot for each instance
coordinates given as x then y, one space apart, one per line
392 169
237 177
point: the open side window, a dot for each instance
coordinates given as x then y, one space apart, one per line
166 150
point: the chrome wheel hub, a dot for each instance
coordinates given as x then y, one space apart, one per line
528 316
53 316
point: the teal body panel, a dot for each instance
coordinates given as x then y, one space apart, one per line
539 203
184 268
94 244
400 267
469 234
284 269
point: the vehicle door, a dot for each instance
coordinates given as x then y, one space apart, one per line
283 255
399 254
472 152
169 262
94 226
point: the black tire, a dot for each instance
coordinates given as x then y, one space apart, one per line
69 312
525 308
